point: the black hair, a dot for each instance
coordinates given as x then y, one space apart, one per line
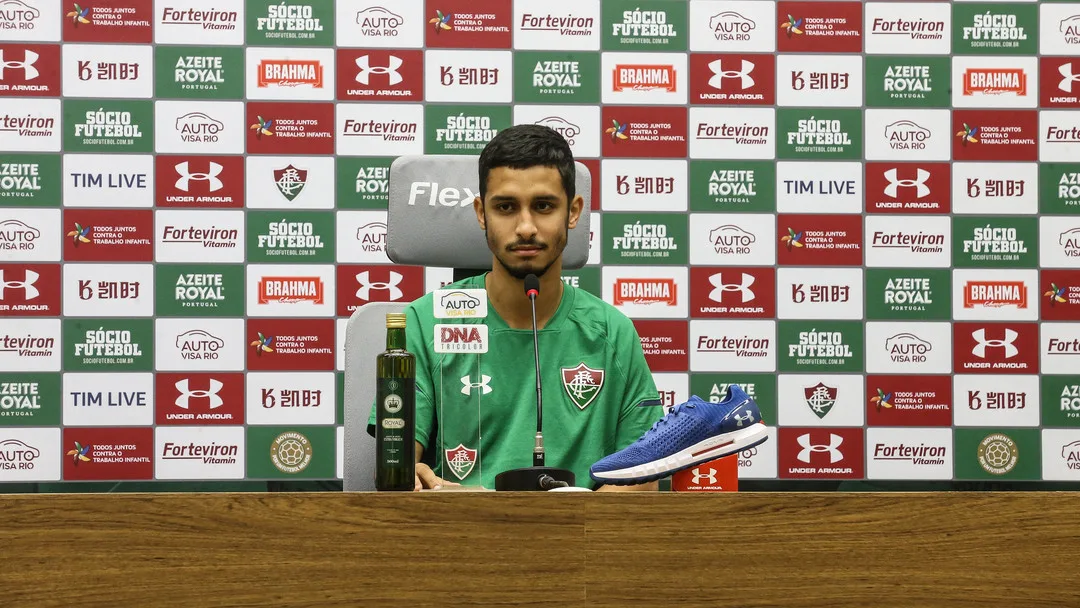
525 146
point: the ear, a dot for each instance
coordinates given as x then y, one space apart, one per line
576 206
478 207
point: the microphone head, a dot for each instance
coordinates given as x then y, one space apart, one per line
532 285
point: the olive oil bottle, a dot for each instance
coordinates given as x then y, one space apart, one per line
395 418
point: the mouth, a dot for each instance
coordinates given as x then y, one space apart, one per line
527 251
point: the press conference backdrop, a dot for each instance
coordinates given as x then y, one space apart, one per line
864 213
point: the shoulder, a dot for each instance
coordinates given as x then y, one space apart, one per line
423 307
592 313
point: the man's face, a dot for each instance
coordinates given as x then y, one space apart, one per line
526 218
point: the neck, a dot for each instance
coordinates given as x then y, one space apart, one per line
507 296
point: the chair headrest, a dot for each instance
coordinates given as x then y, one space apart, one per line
430 219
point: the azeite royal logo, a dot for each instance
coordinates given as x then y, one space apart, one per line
30 180
732 292
908 188
380 75
822 27
29 70
820 240
199 181
1060 295
290 128
108 235
995 348
635 131
907 82
290 344
109 21
995 135
199 398
909 400
199 72
30 290
733 79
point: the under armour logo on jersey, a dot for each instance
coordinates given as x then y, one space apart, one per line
835 440
467 385
982 343
366 70
919 183
26 65
1067 77
366 285
719 74
186 394
27 285
699 476
186 176
719 287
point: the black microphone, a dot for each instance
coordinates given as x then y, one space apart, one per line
532 289
537 477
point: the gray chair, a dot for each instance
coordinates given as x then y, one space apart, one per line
430 222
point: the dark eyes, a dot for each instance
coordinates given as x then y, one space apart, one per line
539 206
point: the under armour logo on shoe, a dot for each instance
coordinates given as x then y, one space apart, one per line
366 285
835 455
211 177
982 343
719 287
27 285
366 70
739 420
919 183
720 74
186 394
26 65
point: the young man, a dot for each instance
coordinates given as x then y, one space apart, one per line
476 412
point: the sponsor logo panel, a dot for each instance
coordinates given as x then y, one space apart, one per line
29 70
360 284
907 28
731 133
283 182
835 187
819 27
109 21
647 292
458 129
723 292
995 82
484 24
199 345
820 346
996 400
468 76
995 242
108 290
997 453
732 79
997 295
289 23
819 80
290 74
1059 82
991 135
107 180
922 188
655 238
30 290
644 185
107 125
995 348
738 346
652 25
908 348
826 293
280 290
199 453
398 24
820 400
1059 295
99 454
30 235
30 345
108 399
290 344
556 77
123 70
732 186
380 75
922 400
30 454
181 21
284 452
208 236
199 127
30 180
909 453
30 399
290 398
907 135
579 126
187 72
1061 455
995 188
819 134
819 240
108 345
908 240
556 24
31 125
644 78
289 128
198 399
732 239
32 21
646 132
909 294
739 26
666 347
906 82
215 182
995 29
1059 348
821 453
98 235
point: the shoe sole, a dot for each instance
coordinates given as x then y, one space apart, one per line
703 451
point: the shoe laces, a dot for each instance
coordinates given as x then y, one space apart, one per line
675 411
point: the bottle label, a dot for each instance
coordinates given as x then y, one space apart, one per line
395 430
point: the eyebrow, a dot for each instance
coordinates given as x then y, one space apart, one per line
538 197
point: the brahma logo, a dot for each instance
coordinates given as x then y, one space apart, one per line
644 78
461 338
290 73
990 81
645 291
291 290
995 294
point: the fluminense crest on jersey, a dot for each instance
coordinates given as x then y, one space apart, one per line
582 384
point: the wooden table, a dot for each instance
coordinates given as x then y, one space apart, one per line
830 550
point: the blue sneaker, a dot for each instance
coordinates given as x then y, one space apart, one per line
692 433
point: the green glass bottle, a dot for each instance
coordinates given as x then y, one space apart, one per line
395 418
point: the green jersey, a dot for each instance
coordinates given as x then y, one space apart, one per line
476 388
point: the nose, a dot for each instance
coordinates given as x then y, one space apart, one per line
526 227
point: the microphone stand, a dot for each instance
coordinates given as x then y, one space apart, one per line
537 478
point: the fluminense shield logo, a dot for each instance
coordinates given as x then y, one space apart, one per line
460 461
27 285
919 183
210 176
746 81
183 400
720 287
982 343
582 384
1067 77
363 63
290 181
367 285
835 455
820 399
26 65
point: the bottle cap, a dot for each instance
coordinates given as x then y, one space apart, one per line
395 320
